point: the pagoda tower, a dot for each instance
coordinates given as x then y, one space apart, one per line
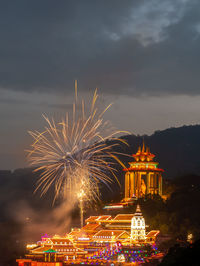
143 176
138 226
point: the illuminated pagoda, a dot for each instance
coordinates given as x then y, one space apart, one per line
138 226
143 176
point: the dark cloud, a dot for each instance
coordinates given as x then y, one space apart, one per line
143 55
6 100
125 47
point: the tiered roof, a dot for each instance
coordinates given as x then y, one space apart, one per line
143 161
58 244
143 154
39 249
59 249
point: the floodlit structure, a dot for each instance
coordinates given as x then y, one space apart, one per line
138 226
143 176
101 238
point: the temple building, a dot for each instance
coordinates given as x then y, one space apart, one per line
143 176
99 233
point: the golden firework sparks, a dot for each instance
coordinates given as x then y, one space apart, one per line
74 155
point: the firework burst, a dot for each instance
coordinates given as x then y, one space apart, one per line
74 155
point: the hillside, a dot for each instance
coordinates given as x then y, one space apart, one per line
177 149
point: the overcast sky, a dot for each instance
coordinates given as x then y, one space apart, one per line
143 55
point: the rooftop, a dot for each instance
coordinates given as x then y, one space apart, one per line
124 217
109 233
92 219
153 233
90 227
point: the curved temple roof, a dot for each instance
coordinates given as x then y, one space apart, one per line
143 161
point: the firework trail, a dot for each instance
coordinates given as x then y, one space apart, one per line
73 155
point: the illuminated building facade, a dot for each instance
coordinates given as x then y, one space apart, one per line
101 237
143 176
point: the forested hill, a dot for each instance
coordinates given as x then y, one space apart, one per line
177 149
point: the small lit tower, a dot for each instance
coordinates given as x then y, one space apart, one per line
138 226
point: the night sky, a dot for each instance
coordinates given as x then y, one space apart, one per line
143 55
